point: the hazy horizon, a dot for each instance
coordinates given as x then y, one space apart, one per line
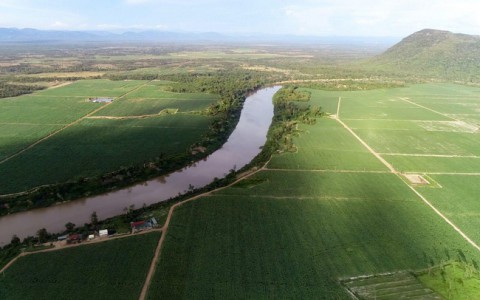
342 18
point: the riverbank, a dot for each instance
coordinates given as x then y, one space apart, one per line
242 146
222 124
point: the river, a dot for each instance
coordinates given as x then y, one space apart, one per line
242 146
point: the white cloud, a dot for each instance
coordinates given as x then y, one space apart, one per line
59 25
386 17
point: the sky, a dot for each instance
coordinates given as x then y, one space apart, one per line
395 18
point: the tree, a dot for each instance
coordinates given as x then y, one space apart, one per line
15 240
42 235
70 226
94 218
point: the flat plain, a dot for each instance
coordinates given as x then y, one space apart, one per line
332 210
58 134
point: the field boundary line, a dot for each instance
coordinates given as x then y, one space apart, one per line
33 124
156 257
430 155
465 237
67 126
77 245
326 170
392 169
338 106
51 134
424 107
444 173
386 163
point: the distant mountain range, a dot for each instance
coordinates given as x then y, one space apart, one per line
15 35
35 35
434 52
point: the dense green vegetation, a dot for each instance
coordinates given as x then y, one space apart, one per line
323 210
109 270
12 90
401 285
328 210
435 53
102 150
261 246
457 280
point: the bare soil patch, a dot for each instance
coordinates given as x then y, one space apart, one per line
416 179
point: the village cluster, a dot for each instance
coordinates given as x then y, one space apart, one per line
135 227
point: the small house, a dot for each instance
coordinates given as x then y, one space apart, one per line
74 238
62 237
103 232
140 226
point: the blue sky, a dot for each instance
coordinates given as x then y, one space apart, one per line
299 17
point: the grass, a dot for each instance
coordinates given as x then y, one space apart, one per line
402 285
454 281
110 270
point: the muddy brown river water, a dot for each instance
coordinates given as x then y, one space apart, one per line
242 146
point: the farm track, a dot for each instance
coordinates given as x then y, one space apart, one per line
51 134
323 80
429 109
337 118
164 229
394 171
325 170
430 155
158 252
34 124
122 118
445 173
67 126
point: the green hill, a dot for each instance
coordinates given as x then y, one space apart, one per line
434 53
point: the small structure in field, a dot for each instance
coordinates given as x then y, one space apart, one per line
100 100
103 233
91 237
416 179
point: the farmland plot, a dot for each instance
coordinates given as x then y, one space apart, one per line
94 147
94 88
331 210
109 270
327 146
256 246
53 136
142 107
44 110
